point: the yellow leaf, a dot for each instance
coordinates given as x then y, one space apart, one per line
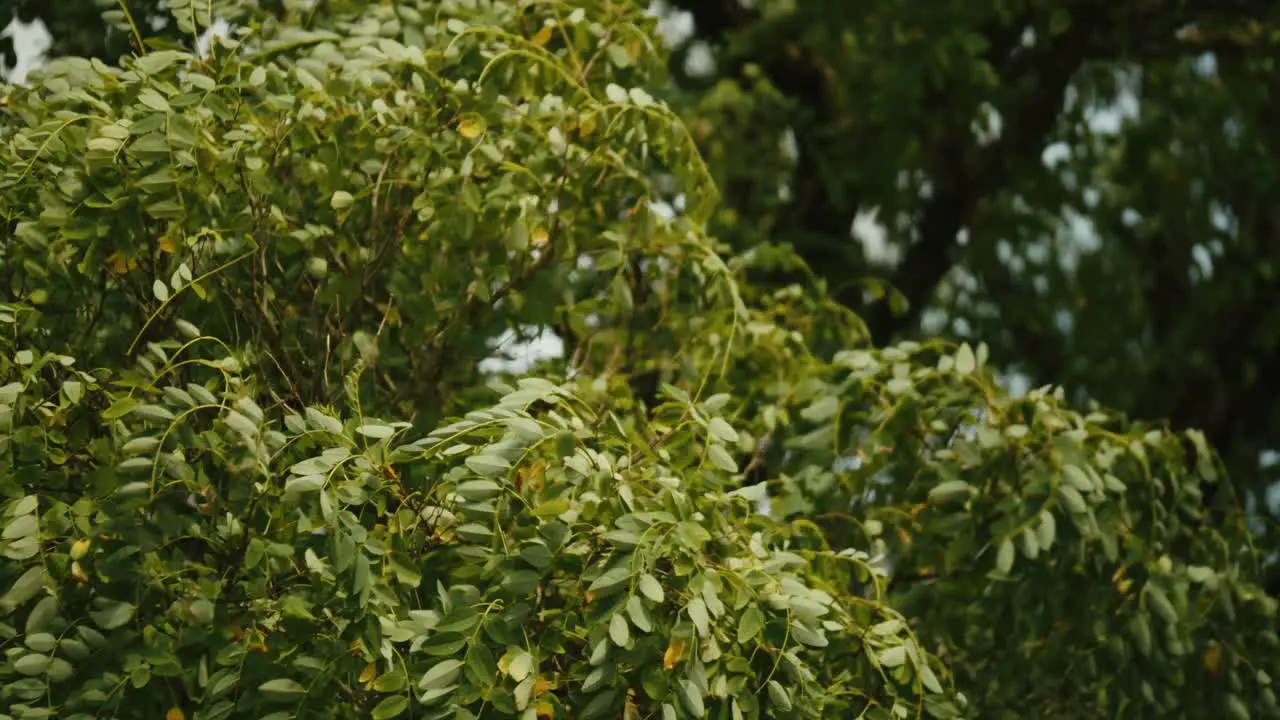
470 128
587 126
166 244
79 548
543 36
544 710
540 687
175 713
1212 659
538 237
1121 582
675 651
368 673
120 264
77 572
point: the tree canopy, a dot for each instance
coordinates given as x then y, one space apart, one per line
252 468
1084 186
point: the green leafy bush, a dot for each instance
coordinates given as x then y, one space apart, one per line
250 467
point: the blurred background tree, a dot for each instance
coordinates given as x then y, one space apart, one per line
1085 186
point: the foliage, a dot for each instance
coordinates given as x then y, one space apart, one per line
210 554
250 467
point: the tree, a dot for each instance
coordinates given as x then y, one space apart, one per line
250 467
1085 186
1134 268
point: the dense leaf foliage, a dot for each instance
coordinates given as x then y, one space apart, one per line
250 468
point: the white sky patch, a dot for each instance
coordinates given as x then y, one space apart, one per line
789 146
700 62
986 128
514 356
874 238
219 29
674 26
30 42
662 209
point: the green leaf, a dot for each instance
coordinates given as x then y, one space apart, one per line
154 413
1235 707
638 614
1159 603
140 445
1077 478
20 527
619 631
440 675
112 614
722 430
378 432
697 610
31 665
693 535
27 505
965 361
240 423
299 485
120 408
157 61
651 588
1005 556
24 588
948 492
617 95
721 458
390 707
779 697
1201 574
822 409
41 642
1072 500
610 580
750 624
520 665
1140 629
929 680
202 611
690 697
153 100
893 656
488 465
477 490
1047 530
282 689
60 670
321 421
